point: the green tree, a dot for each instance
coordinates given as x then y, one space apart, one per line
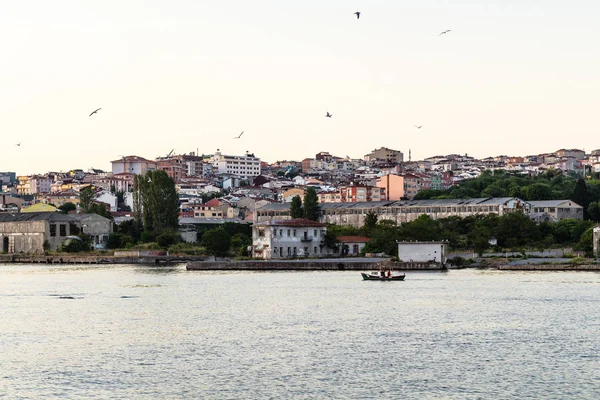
85 199
586 241
68 206
160 202
538 191
580 196
311 204
99 209
216 241
239 243
594 211
296 207
370 221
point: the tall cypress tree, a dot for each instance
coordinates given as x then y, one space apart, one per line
296 207
580 196
311 204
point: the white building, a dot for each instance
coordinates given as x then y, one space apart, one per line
246 166
288 238
420 252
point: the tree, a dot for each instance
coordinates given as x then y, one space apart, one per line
85 199
68 206
311 204
296 207
239 243
160 202
370 221
580 196
216 241
100 210
594 211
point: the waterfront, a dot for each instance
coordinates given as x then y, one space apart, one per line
122 332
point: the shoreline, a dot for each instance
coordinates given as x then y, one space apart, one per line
195 263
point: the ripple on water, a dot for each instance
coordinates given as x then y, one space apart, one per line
462 334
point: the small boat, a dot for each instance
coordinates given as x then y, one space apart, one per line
382 275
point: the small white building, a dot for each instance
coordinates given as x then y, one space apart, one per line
288 239
436 252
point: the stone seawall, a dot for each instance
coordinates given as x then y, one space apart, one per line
286 265
549 267
91 259
308 265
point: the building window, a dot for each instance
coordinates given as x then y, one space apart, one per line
295 250
288 233
306 251
289 251
275 250
274 232
281 232
261 233
316 233
315 250
53 230
63 230
294 233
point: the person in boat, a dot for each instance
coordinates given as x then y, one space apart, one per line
389 273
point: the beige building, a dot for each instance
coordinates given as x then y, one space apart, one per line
133 165
556 209
353 214
384 154
26 233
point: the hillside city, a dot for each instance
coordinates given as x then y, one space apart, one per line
218 188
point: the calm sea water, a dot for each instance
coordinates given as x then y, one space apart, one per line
124 332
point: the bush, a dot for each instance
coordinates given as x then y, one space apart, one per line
83 243
168 238
457 261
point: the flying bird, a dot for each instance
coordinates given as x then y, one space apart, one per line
328 115
418 126
237 137
446 31
18 144
95 111
357 14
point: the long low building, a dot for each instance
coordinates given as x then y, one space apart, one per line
402 211
27 232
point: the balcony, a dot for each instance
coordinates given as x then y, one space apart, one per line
306 239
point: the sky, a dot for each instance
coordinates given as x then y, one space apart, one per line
511 77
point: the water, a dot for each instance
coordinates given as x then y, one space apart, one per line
124 332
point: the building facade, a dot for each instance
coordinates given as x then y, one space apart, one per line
276 239
246 166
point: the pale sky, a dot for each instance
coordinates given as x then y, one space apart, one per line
512 77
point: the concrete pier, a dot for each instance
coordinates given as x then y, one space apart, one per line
340 264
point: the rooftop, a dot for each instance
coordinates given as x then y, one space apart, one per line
298 222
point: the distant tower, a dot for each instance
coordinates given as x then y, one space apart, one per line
409 155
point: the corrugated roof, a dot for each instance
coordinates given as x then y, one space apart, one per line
298 222
36 216
553 203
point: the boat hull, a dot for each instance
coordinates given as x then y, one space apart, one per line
369 277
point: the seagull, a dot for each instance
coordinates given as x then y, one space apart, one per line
95 111
446 31
328 115
418 126
357 14
18 144
237 137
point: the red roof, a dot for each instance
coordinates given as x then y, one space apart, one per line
213 203
353 239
